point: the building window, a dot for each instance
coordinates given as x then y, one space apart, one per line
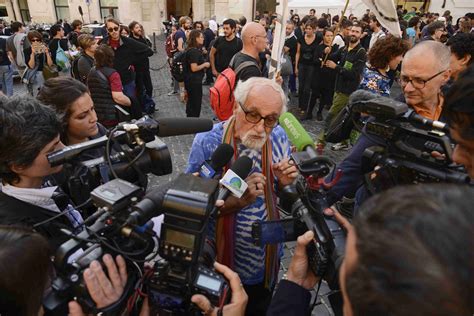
62 9
24 11
109 7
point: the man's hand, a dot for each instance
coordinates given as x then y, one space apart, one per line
256 187
330 64
239 297
327 50
298 271
103 290
285 171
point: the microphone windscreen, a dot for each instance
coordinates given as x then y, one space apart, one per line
295 131
174 126
221 156
361 95
242 166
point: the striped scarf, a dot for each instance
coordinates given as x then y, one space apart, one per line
225 230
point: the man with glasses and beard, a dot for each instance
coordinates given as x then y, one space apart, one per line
253 131
128 53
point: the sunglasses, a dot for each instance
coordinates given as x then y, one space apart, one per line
113 29
36 40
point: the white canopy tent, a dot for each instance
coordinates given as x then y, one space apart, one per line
333 7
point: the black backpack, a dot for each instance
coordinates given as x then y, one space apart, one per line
178 66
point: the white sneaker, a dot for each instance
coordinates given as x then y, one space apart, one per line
172 93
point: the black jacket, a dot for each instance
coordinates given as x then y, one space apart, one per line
349 69
129 53
289 299
20 213
101 94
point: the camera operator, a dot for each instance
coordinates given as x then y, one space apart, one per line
29 132
425 70
32 253
72 102
459 113
405 243
253 131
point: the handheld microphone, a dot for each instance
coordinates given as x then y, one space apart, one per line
233 180
220 157
297 134
168 126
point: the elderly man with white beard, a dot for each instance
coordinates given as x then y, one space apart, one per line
253 131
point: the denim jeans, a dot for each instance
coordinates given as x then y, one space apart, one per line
6 79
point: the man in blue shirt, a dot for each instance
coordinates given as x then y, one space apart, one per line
253 131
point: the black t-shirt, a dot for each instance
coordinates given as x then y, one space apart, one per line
4 61
292 44
247 72
307 52
225 50
39 61
53 47
194 56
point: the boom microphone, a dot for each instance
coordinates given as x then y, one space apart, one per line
220 157
297 134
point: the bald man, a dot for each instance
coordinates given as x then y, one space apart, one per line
254 40
425 70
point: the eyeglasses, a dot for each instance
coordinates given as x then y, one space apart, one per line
36 40
269 121
113 29
418 83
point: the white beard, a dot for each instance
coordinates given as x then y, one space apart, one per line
253 143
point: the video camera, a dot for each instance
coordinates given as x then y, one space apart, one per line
413 149
306 201
122 226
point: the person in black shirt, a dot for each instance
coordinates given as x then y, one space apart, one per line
35 57
128 53
305 60
209 39
224 48
74 34
57 32
254 39
193 77
6 71
324 77
290 49
143 79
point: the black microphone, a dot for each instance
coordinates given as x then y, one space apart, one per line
233 179
411 115
168 126
211 169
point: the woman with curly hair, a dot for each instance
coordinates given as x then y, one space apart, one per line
383 57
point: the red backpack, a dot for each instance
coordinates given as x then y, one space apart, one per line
222 93
169 46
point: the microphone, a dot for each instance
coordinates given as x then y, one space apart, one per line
233 180
361 95
411 115
168 126
297 134
220 157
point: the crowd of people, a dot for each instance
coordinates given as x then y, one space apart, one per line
400 244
